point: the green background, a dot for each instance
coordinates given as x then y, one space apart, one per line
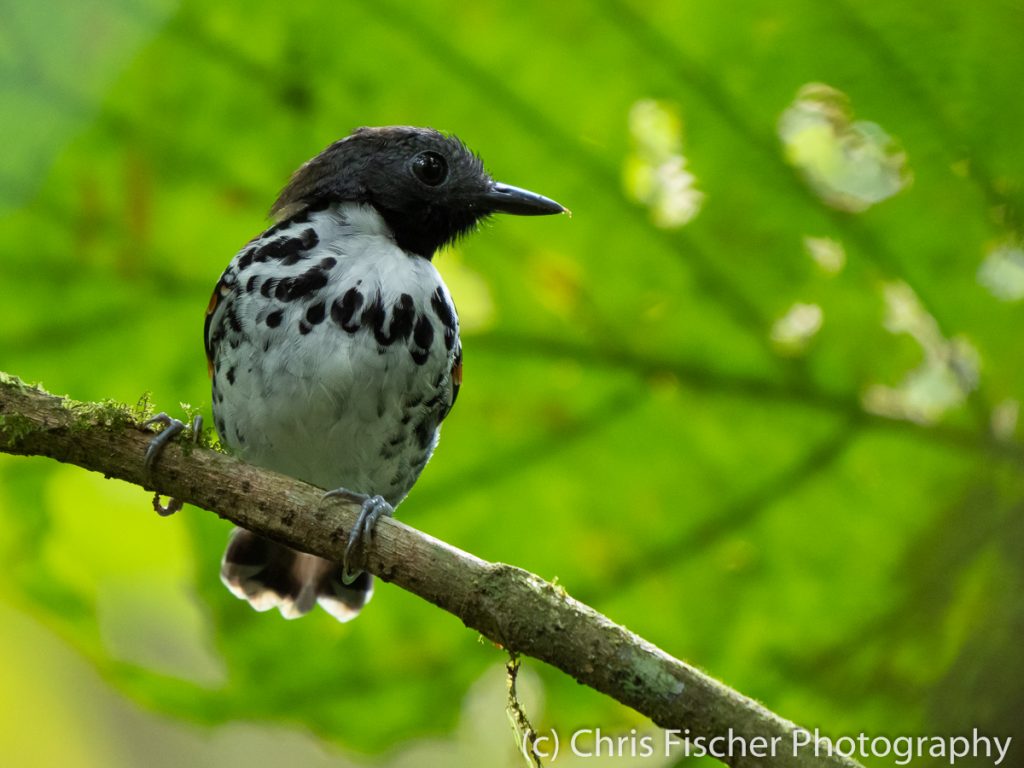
828 519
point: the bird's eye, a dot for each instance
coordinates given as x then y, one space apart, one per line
430 168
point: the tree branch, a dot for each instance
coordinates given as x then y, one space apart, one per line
509 606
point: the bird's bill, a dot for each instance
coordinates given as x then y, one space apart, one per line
504 198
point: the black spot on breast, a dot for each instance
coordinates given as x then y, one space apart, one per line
308 282
307 240
246 260
424 432
329 263
402 316
304 327
251 283
271 250
287 250
231 375
221 427
373 318
232 318
268 286
315 314
284 287
274 318
446 314
343 310
421 462
423 337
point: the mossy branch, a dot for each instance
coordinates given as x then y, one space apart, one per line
510 606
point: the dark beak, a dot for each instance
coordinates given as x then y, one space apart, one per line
502 198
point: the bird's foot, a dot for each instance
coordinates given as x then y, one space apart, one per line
171 429
373 508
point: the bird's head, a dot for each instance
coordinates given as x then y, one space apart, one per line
429 187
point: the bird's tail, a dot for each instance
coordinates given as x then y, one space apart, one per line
271 575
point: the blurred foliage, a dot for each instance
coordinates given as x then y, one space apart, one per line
757 399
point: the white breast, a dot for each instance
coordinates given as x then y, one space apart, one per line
324 366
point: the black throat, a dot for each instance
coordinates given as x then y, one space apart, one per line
424 231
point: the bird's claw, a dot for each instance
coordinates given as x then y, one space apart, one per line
373 508
171 429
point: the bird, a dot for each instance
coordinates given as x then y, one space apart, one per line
333 343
